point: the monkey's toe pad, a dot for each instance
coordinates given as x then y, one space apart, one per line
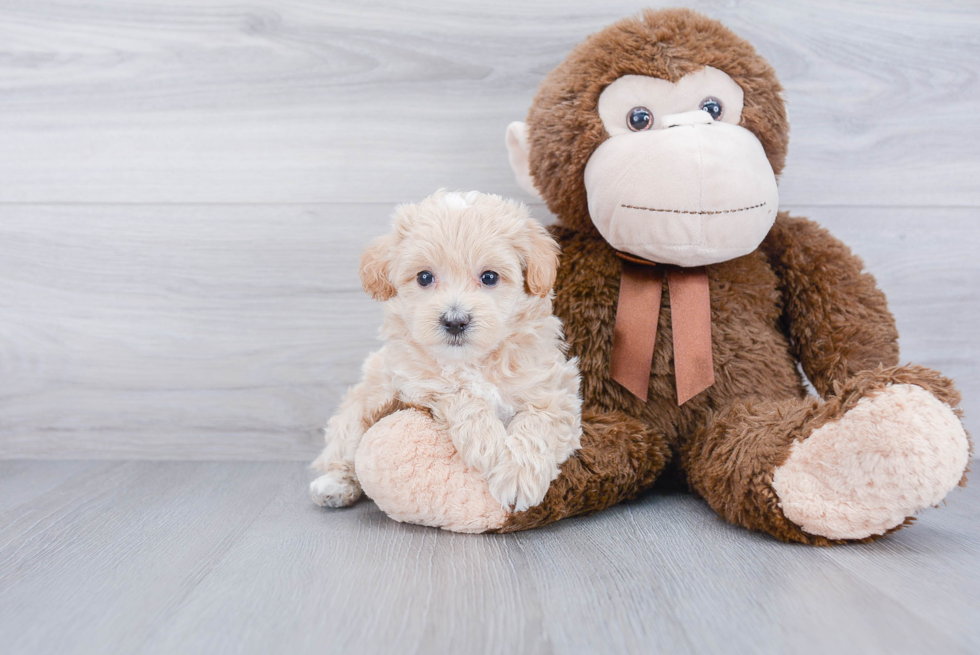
863 474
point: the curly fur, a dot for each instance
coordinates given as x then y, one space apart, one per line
501 388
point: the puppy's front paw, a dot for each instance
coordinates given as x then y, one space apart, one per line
503 485
335 489
521 485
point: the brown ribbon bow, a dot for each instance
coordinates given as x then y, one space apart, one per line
634 338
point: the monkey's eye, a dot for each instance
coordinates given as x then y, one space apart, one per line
713 107
489 278
639 119
425 278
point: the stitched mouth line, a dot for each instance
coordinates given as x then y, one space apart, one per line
685 211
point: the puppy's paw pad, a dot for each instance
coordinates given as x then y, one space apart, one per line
335 489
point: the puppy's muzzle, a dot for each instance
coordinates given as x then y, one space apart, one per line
455 323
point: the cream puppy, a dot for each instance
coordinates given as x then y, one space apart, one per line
469 335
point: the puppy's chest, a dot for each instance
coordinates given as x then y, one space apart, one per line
480 387
456 380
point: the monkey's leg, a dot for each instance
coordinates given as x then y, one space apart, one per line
413 473
619 458
885 444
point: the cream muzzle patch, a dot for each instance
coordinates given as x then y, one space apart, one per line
687 187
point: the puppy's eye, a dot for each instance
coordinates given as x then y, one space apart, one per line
489 278
639 119
425 278
713 107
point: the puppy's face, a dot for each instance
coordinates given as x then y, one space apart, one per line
460 271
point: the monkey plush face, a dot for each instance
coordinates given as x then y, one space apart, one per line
664 134
678 181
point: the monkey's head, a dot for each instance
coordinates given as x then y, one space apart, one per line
665 133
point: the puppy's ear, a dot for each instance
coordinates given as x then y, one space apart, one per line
375 265
542 261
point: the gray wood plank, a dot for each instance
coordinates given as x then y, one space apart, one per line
903 568
292 101
99 561
163 557
21 484
229 332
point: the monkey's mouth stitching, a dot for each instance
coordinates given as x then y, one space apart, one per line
684 211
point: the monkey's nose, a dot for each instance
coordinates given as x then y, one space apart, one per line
696 117
455 324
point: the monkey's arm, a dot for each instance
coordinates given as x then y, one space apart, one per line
835 314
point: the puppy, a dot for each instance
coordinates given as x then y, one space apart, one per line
469 335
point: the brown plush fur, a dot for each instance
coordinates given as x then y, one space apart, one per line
800 297
837 319
753 343
619 458
731 459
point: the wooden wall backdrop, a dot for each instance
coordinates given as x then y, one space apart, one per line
185 188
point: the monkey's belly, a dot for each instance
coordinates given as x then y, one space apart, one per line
752 356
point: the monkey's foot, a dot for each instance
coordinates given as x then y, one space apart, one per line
412 472
894 453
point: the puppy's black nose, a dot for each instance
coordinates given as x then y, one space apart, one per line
454 324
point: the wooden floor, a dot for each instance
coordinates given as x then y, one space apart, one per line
208 557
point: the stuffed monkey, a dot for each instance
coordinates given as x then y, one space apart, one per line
690 301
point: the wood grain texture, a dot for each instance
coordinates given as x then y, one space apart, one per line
291 101
230 332
158 557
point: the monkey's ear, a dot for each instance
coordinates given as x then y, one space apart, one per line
542 261
375 264
518 153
